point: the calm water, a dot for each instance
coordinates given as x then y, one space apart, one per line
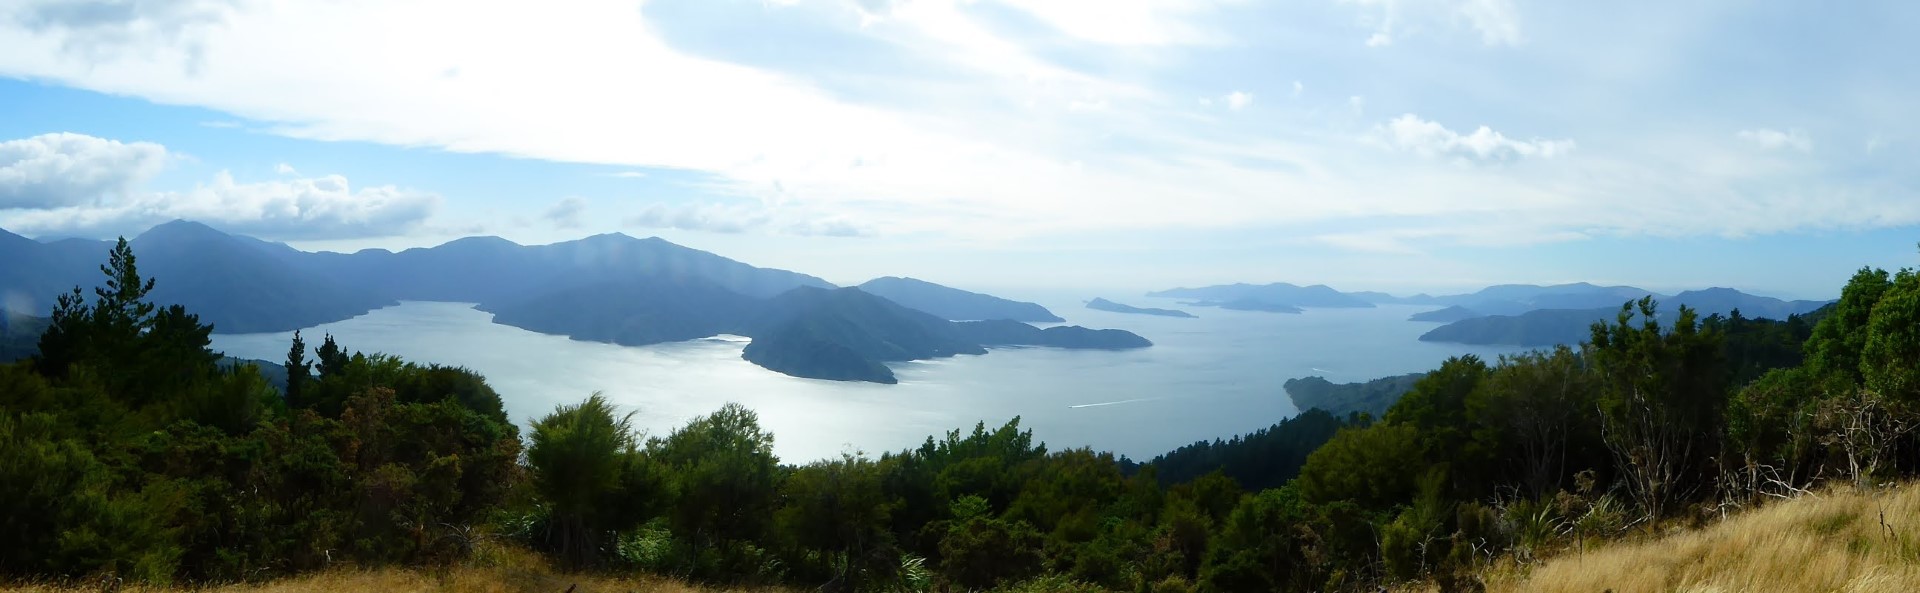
1204 378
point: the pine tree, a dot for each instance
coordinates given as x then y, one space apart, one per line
299 371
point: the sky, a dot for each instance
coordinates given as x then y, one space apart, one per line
1123 145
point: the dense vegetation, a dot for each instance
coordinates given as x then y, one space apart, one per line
1372 397
126 450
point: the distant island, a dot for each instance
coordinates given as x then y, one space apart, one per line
1100 304
1447 315
1544 327
1270 295
955 304
1551 327
1249 305
1372 397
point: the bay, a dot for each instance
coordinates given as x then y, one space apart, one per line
1211 377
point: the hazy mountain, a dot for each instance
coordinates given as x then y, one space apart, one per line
19 335
953 303
843 334
1381 298
1543 327
1004 332
1278 293
1547 327
869 328
633 312
1447 315
241 284
1725 300
1100 304
495 270
1249 305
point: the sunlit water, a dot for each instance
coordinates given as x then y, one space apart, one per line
1204 378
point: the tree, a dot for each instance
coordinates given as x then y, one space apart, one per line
1527 407
1890 358
839 508
108 329
1838 340
578 455
1662 398
726 479
299 371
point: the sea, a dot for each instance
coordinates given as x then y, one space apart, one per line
1203 379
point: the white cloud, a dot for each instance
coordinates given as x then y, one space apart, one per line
713 218
566 213
1496 21
743 217
1427 138
1772 139
1238 100
1298 88
629 174
968 134
1122 22
72 184
285 169
64 169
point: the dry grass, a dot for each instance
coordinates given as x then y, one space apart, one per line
1833 541
495 570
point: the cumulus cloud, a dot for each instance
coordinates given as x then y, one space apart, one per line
1428 138
566 213
55 170
74 184
1772 139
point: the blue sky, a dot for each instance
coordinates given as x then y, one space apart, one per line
992 144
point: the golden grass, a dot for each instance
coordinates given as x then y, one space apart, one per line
495 570
1832 541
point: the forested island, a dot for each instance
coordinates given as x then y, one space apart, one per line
130 453
1100 304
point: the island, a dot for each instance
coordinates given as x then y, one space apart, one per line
1255 305
1372 397
955 304
1100 304
1447 315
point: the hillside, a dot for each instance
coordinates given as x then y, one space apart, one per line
1372 397
634 312
243 285
1838 540
846 334
953 303
1447 315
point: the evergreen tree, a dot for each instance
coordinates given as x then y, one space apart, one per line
299 371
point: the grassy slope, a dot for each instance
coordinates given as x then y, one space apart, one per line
1832 541
494 570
